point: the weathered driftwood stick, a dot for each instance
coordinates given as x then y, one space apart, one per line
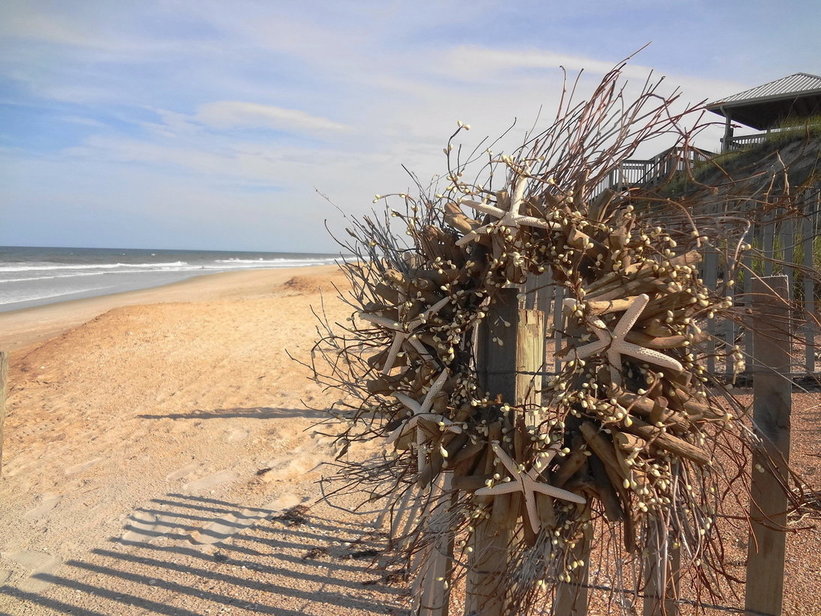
644 406
378 360
655 327
627 442
603 449
617 279
396 279
469 483
458 220
694 407
569 467
438 277
385 384
467 453
389 294
605 490
638 271
638 286
599 307
668 442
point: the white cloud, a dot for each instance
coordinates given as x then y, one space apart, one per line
478 61
237 114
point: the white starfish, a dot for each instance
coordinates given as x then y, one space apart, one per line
528 484
615 344
507 218
422 411
404 331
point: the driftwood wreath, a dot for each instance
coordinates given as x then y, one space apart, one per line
627 435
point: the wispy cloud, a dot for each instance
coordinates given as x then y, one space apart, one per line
236 114
480 61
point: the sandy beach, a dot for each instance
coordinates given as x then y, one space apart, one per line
161 457
153 438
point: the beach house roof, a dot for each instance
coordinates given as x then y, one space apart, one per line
767 105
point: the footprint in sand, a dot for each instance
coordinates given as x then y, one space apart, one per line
229 525
48 501
224 527
236 434
283 501
182 472
36 563
142 527
76 468
210 481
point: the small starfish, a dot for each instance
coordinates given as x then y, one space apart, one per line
404 332
510 218
528 484
422 411
616 345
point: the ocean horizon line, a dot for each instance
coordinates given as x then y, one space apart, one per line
38 275
178 249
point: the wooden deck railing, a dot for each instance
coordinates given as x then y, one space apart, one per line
745 141
646 172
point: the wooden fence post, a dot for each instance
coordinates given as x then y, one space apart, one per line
4 370
496 363
772 389
661 570
511 341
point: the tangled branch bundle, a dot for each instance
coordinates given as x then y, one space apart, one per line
627 433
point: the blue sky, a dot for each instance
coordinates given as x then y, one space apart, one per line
204 124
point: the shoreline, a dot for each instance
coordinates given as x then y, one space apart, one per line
27 326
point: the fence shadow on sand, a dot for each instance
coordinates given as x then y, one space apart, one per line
185 555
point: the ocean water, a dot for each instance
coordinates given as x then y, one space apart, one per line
34 276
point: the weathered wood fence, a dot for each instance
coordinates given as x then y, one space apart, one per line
511 370
789 243
531 340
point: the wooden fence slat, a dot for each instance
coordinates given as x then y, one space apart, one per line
730 326
531 292
4 371
747 260
546 305
788 246
772 389
434 596
529 355
557 326
709 274
768 231
571 597
807 233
